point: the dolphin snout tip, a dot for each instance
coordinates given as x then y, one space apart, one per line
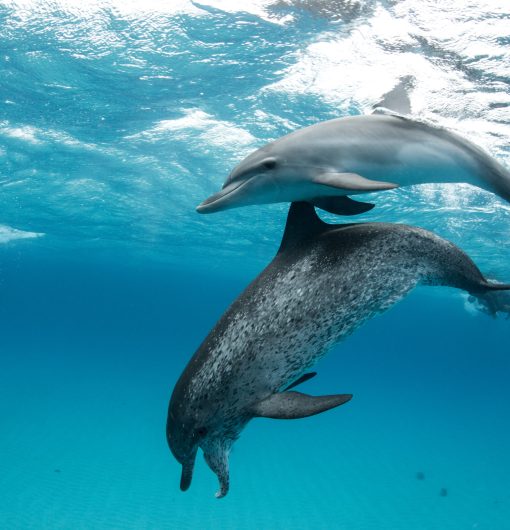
226 198
185 483
186 476
207 206
212 204
201 208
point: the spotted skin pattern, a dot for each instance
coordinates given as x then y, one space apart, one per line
324 283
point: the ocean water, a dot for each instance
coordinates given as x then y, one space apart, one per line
116 120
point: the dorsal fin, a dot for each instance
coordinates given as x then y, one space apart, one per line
397 99
302 223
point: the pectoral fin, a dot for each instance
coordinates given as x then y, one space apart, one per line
294 405
342 205
352 182
302 379
217 459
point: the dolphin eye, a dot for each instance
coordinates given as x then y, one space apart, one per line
202 431
269 164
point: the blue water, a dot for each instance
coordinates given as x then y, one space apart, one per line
116 120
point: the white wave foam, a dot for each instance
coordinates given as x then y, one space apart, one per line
26 133
79 8
366 59
362 64
37 136
8 233
27 9
214 132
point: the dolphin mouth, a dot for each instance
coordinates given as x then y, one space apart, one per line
219 201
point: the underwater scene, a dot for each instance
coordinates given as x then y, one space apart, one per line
217 216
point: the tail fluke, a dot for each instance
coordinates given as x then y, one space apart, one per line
495 286
494 300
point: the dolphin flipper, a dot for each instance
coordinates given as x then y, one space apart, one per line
342 205
352 181
294 405
302 379
217 459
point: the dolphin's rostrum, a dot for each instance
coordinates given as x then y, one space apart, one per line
324 163
325 281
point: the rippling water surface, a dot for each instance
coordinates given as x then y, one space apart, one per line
116 120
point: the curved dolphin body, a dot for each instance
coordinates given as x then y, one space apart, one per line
325 281
328 161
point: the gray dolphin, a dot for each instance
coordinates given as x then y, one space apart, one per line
324 282
328 161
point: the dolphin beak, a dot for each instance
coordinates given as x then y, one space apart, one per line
223 199
187 472
186 476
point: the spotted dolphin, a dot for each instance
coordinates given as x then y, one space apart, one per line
325 163
325 281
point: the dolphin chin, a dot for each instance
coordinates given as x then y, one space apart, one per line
223 200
